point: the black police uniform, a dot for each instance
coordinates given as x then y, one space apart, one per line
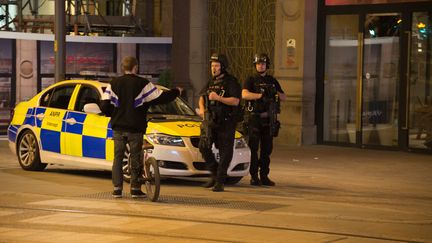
222 125
260 136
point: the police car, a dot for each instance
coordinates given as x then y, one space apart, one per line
64 125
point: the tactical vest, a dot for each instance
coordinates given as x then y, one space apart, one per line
220 112
261 105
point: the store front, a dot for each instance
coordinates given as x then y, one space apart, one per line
7 82
374 74
83 58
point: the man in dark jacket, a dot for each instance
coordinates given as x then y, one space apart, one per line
259 90
220 98
127 99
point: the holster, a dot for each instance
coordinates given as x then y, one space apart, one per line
276 128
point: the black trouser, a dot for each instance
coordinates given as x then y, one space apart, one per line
223 137
260 138
135 141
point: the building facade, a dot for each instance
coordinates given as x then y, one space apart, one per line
356 72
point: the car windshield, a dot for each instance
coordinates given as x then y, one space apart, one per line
177 107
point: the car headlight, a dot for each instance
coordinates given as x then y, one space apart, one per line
162 139
240 143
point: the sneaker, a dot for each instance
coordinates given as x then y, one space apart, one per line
137 194
255 181
210 183
267 182
117 193
218 187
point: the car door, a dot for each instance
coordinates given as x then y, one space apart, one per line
50 115
86 134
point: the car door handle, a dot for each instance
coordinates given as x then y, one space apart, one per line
71 121
40 116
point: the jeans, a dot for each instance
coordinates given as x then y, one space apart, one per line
135 141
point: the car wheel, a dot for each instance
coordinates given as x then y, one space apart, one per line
233 180
126 165
28 152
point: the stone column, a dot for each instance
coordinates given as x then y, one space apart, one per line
295 69
26 74
180 43
198 63
124 50
189 48
309 128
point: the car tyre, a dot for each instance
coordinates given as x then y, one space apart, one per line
233 180
152 179
28 152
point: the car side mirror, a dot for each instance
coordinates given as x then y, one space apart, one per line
92 108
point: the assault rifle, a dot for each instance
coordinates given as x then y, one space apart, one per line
271 97
273 121
206 137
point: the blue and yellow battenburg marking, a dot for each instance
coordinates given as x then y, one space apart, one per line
50 122
79 134
12 132
69 132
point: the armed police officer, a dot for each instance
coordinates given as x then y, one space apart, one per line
219 106
262 93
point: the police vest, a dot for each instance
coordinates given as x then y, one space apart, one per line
220 111
269 92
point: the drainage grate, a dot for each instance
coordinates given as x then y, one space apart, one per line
195 201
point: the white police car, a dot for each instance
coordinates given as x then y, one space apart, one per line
62 125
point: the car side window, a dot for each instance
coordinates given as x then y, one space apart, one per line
86 95
58 98
45 99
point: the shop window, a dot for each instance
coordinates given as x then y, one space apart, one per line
154 60
6 102
97 57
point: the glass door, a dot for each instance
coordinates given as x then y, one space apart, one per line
376 88
362 79
380 79
340 78
419 82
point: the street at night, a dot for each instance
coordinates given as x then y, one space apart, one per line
322 194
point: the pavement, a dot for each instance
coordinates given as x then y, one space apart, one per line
323 194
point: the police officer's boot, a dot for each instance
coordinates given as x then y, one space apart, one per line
266 181
210 183
255 181
218 187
